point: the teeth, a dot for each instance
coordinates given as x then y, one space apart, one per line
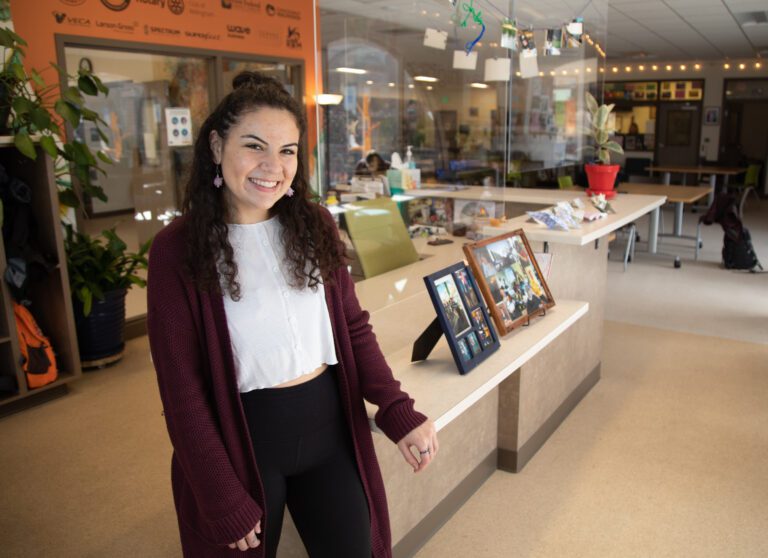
264 183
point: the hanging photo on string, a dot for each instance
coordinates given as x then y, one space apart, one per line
554 42
509 34
574 33
526 40
464 61
529 63
434 38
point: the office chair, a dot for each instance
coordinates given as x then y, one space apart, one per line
749 185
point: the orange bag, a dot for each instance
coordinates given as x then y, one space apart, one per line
38 358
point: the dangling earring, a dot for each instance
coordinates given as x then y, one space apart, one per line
218 181
289 192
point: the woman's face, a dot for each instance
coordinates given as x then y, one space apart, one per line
258 161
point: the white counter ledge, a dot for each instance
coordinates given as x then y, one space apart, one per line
493 193
443 394
628 207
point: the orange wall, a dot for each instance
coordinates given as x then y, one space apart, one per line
204 24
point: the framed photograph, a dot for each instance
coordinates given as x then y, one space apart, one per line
712 116
509 279
462 315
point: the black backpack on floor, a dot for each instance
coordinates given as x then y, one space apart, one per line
738 252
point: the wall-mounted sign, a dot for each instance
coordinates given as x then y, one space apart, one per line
632 91
178 125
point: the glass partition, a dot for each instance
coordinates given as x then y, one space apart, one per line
482 94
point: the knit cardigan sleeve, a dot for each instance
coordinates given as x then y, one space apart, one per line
227 511
396 415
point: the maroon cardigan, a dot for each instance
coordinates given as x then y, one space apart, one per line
216 485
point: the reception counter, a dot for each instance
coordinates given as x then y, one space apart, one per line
499 414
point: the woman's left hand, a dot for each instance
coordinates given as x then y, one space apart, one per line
419 446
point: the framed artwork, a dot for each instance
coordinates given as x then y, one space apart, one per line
712 116
510 279
462 315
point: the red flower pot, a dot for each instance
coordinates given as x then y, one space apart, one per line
601 179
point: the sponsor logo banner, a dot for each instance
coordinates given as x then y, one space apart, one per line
276 11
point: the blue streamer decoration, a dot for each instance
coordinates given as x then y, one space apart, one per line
477 17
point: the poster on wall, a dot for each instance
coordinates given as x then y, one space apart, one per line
178 125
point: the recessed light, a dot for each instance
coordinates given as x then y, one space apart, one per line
369 82
391 84
429 79
352 71
410 86
478 85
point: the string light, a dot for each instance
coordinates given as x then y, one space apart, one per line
727 66
682 67
565 72
628 69
615 70
669 67
589 70
697 66
742 66
758 65
641 68
654 67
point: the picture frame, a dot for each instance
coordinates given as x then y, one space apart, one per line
462 315
712 116
510 279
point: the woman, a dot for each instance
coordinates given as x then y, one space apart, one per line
263 354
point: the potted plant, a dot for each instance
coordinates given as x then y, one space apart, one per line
32 111
601 174
101 271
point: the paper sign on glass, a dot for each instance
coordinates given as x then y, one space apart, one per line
464 61
178 124
435 39
529 64
497 69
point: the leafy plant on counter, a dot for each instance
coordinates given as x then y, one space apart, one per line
36 111
98 265
601 131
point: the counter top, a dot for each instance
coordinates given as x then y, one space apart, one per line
495 194
628 208
440 391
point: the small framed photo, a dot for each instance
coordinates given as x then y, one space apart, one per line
462 315
712 116
509 278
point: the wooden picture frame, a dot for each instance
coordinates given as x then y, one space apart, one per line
462 315
510 279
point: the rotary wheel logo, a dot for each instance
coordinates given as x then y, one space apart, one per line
116 5
176 6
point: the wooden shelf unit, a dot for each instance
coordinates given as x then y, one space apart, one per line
51 298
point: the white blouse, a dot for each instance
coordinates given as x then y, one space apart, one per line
278 332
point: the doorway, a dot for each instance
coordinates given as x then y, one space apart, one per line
158 100
678 134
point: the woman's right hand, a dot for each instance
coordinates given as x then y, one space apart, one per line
248 541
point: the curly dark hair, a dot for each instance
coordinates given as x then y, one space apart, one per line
312 249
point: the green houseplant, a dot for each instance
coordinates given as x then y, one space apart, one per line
32 111
601 174
101 271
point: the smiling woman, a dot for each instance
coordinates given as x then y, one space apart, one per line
263 354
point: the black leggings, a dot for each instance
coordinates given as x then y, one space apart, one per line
306 460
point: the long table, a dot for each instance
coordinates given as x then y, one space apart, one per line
679 195
713 172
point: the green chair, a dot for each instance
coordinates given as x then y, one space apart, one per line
750 185
565 182
379 236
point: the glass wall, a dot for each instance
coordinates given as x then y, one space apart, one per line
499 115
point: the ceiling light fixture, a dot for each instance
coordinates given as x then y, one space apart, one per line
369 82
429 79
391 84
429 88
324 99
357 71
478 85
410 86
